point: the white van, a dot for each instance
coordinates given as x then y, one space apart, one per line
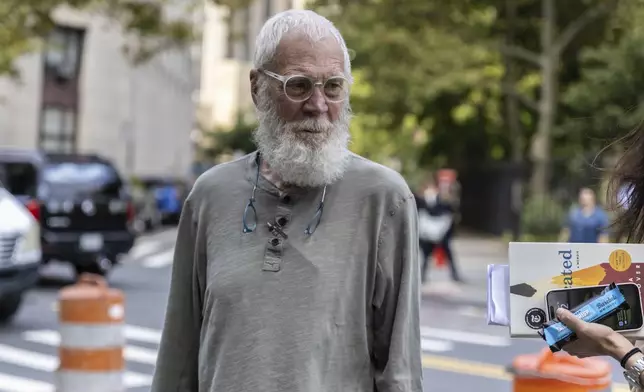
20 253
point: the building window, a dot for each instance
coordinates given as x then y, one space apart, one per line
63 52
58 130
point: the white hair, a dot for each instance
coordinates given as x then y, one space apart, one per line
314 27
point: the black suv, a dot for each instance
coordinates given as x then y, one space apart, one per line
82 204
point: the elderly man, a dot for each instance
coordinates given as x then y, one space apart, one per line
296 267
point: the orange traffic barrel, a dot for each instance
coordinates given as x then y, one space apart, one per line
546 372
91 337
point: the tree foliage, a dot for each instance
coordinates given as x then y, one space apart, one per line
444 63
26 22
607 99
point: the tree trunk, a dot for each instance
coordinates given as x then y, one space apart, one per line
540 148
511 100
513 120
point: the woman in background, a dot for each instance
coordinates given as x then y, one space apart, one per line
597 339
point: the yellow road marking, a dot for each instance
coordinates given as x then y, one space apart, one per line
480 369
461 366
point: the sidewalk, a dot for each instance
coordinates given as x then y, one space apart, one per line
473 254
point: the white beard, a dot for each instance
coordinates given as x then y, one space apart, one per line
303 158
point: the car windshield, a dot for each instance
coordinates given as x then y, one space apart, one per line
87 178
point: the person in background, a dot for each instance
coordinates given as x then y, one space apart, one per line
587 222
436 225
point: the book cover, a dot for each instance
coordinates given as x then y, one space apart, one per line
536 268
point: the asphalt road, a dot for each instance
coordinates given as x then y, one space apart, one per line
460 352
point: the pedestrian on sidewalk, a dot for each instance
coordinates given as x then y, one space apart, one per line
296 266
586 222
436 226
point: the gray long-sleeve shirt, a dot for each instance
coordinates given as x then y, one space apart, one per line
334 311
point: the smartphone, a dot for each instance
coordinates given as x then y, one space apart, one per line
623 321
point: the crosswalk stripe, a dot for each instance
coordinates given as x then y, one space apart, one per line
9 383
142 334
144 248
130 353
31 359
159 260
437 346
464 337
49 364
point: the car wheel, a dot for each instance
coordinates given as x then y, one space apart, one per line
9 307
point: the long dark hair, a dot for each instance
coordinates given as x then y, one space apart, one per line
629 174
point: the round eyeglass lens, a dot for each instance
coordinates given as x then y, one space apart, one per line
336 89
298 88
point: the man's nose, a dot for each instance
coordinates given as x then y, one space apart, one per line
316 104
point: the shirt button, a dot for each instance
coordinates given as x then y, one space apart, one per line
286 199
275 241
282 221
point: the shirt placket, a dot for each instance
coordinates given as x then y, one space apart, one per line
273 256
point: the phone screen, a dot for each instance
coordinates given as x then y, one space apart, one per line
621 321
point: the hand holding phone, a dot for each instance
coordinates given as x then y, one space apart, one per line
623 321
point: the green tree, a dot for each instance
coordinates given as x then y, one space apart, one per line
614 69
222 141
456 63
26 22
426 84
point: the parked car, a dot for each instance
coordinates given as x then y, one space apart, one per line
83 207
20 253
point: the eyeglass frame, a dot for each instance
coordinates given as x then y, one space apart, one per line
315 82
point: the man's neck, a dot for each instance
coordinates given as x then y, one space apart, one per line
271 176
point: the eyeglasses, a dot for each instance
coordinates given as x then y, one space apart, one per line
249 225
299 88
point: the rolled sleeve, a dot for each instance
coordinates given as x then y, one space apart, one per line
396 302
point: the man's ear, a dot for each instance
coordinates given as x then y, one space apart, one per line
254 86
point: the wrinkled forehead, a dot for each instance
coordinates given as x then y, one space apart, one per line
297 54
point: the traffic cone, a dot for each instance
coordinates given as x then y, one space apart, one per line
90 351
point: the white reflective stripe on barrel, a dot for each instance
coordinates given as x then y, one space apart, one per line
87 336
74 381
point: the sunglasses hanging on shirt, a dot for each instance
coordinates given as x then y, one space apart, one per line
249 225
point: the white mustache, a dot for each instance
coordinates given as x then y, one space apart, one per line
311 125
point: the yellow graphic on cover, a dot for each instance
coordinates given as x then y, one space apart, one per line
619 268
